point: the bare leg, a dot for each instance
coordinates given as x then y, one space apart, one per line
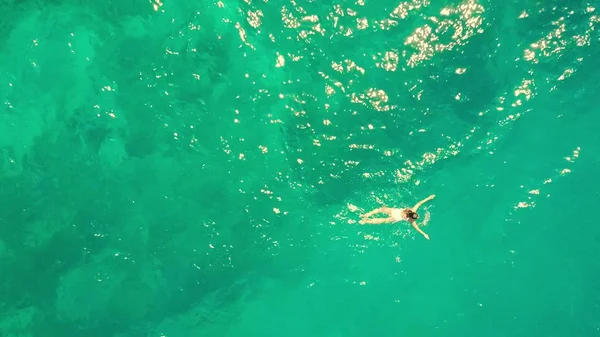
376 221
376 211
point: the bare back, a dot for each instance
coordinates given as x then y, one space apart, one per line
398 214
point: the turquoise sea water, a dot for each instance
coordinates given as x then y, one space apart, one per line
197 168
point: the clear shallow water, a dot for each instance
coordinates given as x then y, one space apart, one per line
196 168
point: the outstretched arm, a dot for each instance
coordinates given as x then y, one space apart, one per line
415 207
414 224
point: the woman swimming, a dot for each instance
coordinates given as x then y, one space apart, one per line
395 215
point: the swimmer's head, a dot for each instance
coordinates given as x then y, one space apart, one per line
411 215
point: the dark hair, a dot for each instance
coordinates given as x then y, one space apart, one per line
411 215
